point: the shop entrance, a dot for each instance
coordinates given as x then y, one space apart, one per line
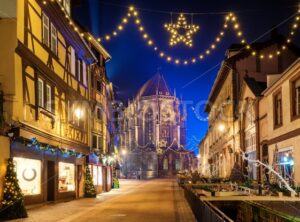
50 181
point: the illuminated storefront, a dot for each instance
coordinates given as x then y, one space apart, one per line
96 170
100 176
47 176
29 175
66 177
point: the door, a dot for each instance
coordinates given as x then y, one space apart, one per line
50 181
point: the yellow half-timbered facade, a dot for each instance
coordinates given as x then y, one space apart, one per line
49 79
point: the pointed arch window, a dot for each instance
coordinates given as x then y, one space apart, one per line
149 126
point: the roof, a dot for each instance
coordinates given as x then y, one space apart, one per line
99 47
155 85
242 53
256 87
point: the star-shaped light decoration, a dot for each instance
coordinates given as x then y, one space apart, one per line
162 143
159 151
181 31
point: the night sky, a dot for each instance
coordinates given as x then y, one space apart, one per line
133 62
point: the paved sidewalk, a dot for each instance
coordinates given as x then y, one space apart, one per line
153 200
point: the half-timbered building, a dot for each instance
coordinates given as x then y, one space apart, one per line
46 66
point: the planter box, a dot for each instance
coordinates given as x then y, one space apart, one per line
279 194
204 193
292 194
228 193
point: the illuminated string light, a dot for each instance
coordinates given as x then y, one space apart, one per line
230 19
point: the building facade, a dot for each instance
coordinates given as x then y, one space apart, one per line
46 72
282 99
153 132
233 125
100 102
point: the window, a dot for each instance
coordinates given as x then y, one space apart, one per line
53 39
29 175
84 73
285 162
48 98
99 86
278 109
100 176
40 93
79 70
99 116
94 142
66 177
296 97
148 126
73 62
95 174
97 142
44 97
45 36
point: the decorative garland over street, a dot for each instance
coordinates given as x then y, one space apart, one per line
230 21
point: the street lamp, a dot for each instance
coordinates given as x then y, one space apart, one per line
78 113
124 152
221 127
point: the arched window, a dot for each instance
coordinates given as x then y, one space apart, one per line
148 126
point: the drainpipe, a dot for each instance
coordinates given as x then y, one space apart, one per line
258 148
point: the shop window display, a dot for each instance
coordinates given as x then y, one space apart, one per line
66 177
286 165
100 176
29 175
95 174
108 176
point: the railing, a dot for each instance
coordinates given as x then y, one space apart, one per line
204 210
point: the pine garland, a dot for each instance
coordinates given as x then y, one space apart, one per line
13 199
89 188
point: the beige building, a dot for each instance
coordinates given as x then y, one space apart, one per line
228 133
251 125
282 99
203 165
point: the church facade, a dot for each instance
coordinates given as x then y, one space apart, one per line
153 134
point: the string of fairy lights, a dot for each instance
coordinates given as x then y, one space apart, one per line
230 22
